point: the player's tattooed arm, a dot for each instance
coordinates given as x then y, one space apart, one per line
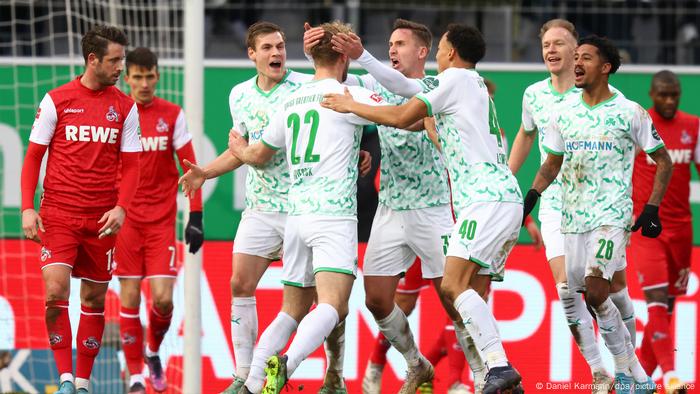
256 154
664 168
522 145
399 116
548 172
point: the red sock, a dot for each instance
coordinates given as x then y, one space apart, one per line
438 350
659 333
131 333
157 327
90 329
60 335
455 356
646 353
381 346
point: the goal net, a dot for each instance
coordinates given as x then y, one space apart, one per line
40 50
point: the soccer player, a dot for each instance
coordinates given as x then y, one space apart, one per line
595 138
542 101
89 127
145 247
663 263
486 197
320 241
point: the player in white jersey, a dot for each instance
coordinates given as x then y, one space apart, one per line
413 217
486 196
594 143
540 103
320 241
258 242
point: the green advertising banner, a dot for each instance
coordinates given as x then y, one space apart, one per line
22 87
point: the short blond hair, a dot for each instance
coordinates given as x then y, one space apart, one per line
323 52
563 23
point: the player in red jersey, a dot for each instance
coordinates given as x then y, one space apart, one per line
663 263
88 127
145 246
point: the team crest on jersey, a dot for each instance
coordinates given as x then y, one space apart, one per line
112 115
686 138
161 126
55 338
430 83
45 253
376 98
128 339
91 343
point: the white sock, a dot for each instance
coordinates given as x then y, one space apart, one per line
66 377
635 367
81 383
580 323
614 333
624 304
396 330
271 342
335 349
313 330
476 363
137 378
482 328
244 332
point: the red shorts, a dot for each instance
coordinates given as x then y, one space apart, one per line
73 241
145 251
663 261
413 281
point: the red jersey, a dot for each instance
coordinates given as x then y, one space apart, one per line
85 131
163 132
680 135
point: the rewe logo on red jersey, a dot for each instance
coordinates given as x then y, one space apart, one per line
678 156
86 133
154 143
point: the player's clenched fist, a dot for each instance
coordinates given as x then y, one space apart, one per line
365 163
113 221
31 224
236 143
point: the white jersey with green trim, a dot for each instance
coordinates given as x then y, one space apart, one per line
599 145
413 175
540 104
468 128
252 111
322 148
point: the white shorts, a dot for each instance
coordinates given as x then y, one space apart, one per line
314 244
550 225
485 233
397 237
260 234
598 253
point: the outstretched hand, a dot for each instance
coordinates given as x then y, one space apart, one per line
338 102
192 180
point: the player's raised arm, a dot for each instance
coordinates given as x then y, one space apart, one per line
401 116
393 80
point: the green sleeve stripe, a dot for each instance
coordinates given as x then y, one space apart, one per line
552 151
359 81
330 269
427 104
481 263
269 145
529 131
654 149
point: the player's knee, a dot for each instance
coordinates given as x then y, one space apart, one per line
242 287
449 291
379 306
658 295
56 291
595 297
93 299
163 305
